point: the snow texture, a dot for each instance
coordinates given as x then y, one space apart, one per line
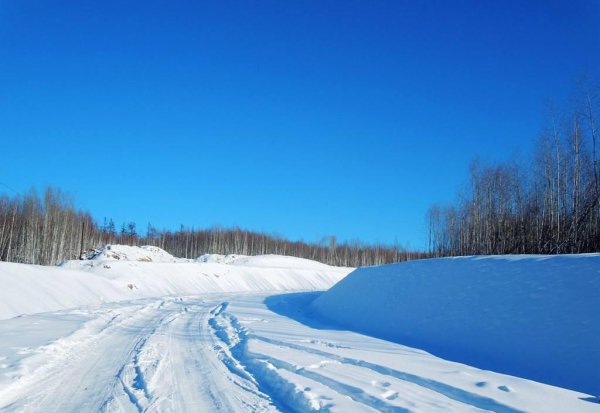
144 333
531 316
119 272
239 352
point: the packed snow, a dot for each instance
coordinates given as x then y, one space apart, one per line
225 334
118 272
530 316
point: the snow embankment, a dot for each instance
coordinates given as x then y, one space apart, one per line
117 273
263 261
146 253
532 316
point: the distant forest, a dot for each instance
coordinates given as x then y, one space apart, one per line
548 206
48 230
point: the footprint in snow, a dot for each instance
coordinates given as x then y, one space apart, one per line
390 395
380 384
327 344
505 388
322 363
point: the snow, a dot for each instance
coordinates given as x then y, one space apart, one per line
146 253
239 352
218 258
264 261
529 316
223 334
119 272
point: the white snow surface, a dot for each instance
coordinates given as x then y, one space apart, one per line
214 337
531 316
119 272
264 261
239 352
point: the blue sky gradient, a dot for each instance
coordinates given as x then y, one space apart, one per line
305 119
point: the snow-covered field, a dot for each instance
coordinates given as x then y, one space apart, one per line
182 341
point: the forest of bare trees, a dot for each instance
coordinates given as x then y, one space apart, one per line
43 231
191 243
49 229
548 206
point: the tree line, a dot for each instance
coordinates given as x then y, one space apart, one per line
551 205
49 229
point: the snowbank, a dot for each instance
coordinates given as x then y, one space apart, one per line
531 316
219 259
264 261
146 253
140 272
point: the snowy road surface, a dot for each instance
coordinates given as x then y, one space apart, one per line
234 353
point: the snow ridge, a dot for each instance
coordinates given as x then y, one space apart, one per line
504 313
118 272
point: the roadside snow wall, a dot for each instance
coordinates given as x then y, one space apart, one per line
531 316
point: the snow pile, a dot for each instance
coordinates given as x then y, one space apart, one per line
264 261
140 272
530 316
219 258
146 253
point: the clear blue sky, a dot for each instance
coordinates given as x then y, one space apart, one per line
304 118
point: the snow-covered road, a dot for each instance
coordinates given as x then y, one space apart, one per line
151 355
237 352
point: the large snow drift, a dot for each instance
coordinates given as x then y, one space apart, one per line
119 272
532 316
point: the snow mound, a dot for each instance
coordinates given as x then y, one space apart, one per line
118 272
145 253
264 261
531 316
220 259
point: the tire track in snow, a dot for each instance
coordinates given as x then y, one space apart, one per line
182 380
352 392
233 352
157 355
284 394
451 392
85 374
41 382
132 375
252 363
177 368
